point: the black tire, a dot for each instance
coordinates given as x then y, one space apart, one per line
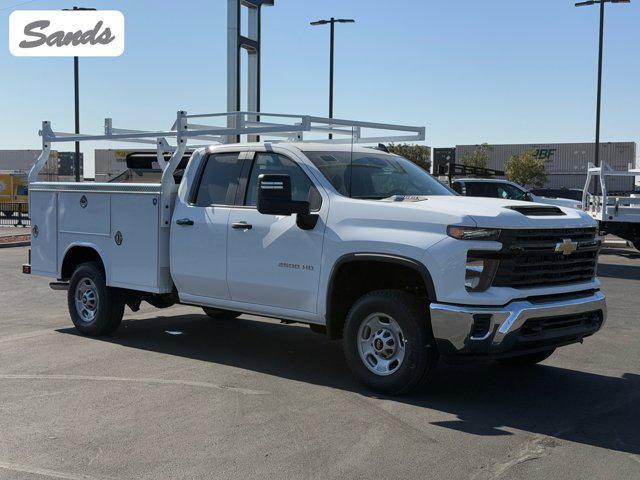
420 354
217 314
528 359
109 302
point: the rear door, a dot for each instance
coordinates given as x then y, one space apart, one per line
271 260
199 229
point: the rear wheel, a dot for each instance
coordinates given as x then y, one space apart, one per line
388 343
528 359
95 309
217 314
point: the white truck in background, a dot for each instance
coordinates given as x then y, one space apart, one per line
616 214
505 189
355 242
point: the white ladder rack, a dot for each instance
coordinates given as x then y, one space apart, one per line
286 127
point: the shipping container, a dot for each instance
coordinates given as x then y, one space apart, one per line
566 162
110 163
60 164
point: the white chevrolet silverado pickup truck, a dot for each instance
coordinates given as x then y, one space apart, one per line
356 242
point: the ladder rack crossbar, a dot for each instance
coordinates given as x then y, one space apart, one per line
291 127
247 124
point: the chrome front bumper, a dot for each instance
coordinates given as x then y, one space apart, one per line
453 325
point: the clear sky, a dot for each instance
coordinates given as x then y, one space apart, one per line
497 71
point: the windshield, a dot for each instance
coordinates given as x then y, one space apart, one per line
493 190
375 175
511 192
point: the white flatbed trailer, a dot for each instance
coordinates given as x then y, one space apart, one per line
616 214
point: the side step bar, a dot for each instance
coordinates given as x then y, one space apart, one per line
59 285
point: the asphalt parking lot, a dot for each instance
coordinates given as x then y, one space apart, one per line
174 394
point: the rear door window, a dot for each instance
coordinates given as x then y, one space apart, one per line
218 181
479 189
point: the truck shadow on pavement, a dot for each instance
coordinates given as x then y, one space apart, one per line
488 399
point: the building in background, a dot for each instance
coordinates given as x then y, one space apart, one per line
566 162
110 163
441 158
59 167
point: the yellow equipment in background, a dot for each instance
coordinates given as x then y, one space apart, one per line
14 193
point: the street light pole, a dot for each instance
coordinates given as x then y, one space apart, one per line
332 35
599 94
76 97
332 21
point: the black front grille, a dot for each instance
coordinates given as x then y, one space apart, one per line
562 324
528 258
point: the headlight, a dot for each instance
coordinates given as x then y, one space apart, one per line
479 272
472 233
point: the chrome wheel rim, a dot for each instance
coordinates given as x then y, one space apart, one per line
86 298
381 344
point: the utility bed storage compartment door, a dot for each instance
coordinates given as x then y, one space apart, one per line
84 213
44 232
134 225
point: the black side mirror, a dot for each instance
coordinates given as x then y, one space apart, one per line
274 196
528 197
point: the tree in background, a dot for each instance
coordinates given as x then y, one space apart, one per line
525 169
479 158
418 154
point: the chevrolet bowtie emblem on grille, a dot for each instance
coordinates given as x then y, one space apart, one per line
566 247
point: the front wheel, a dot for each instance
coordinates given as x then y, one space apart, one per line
388 343
95 309
528 359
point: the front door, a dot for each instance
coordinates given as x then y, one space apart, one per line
199 230
272 261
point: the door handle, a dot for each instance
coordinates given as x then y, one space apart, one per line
242 226
184 221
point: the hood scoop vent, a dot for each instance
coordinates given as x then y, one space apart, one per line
537 211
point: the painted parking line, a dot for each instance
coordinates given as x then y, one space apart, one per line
157 381
44 472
